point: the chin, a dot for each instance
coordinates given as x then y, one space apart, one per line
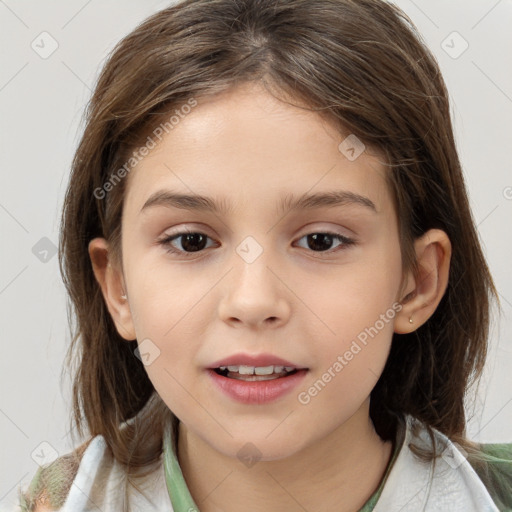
252 449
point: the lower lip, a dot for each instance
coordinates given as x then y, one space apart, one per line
257 392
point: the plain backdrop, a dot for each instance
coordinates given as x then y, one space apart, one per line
42 98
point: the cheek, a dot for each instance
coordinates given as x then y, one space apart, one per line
168 316
163 295
351 355
356 296
356 312
166 326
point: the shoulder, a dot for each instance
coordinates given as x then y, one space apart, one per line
448 481
493 465
51 483
90 478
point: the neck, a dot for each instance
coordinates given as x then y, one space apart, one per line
339 472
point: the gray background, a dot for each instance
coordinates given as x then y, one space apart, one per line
41 102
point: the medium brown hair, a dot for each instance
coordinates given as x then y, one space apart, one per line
364 66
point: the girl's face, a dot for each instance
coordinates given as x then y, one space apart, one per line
260 278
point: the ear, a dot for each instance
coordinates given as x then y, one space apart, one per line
425 290
111 281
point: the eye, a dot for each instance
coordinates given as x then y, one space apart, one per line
322 241
190 242
186 243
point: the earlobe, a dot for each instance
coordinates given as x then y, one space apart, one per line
111 281
425 290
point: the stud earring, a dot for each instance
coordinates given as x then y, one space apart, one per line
123 297
410 320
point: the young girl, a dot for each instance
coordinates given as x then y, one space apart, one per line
228 360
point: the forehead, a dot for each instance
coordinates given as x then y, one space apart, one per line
246 146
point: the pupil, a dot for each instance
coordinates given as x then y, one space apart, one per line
317 239
190 242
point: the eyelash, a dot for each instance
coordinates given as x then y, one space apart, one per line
166 242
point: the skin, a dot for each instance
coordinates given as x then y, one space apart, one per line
303 305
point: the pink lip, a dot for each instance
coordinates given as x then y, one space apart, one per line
253 360
256 392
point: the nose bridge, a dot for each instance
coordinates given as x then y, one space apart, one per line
253 292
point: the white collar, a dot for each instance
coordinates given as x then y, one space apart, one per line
413 485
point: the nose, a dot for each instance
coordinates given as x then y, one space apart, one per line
255 295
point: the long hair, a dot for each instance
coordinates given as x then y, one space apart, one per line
363 65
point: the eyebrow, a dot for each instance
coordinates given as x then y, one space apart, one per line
306 201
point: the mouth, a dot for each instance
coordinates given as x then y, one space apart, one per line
256 379
256 373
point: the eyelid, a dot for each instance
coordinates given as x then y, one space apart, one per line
183 229
307 230
319 227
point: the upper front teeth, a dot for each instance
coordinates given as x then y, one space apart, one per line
258 370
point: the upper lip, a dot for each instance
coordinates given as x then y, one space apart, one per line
253 360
